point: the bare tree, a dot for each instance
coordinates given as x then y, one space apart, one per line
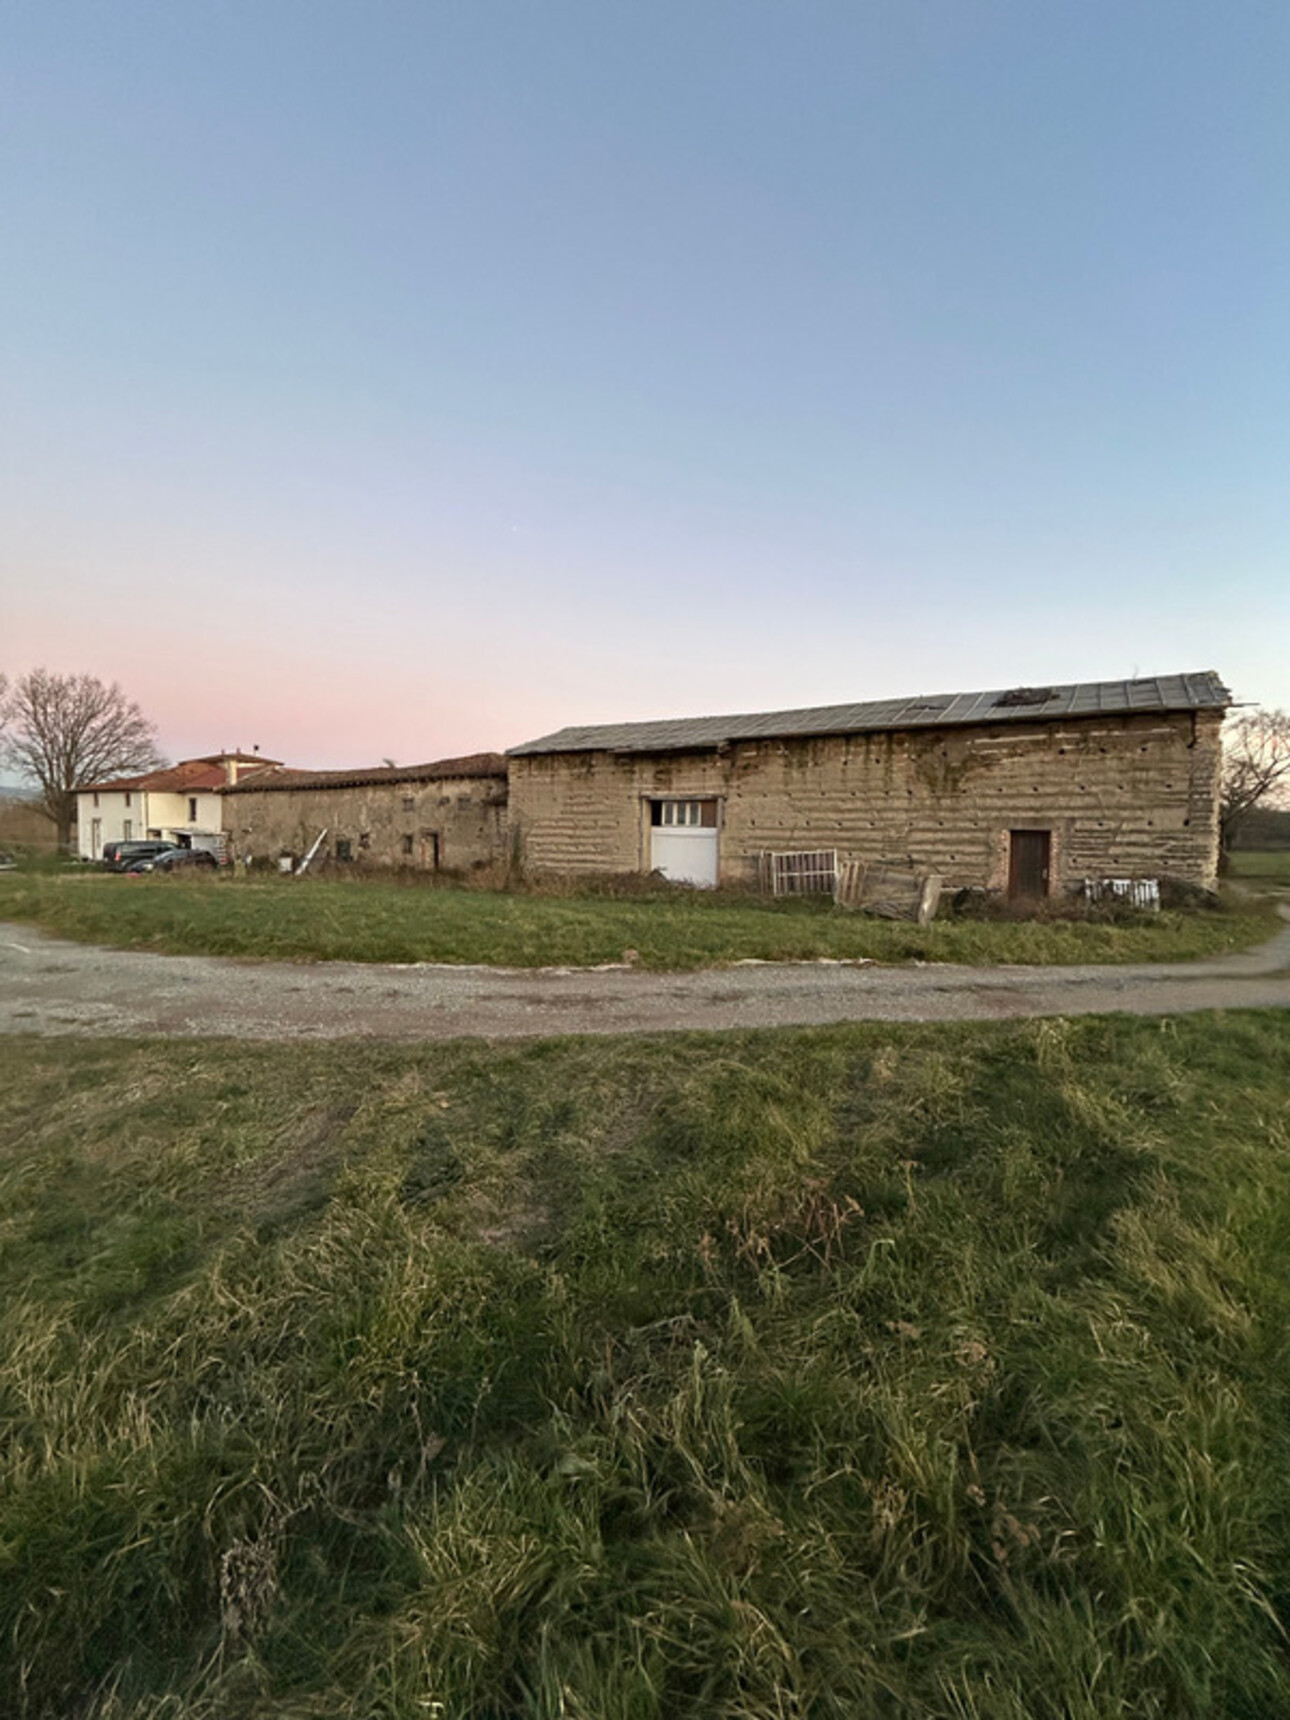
65 731
1256 766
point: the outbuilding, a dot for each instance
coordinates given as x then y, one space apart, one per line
448 815
1024 791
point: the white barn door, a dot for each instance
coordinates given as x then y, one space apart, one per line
683 841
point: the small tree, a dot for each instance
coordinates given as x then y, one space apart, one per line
1256 767
65 731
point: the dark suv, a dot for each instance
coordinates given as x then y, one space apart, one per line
120 856
174 860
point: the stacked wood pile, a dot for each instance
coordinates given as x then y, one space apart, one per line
893 891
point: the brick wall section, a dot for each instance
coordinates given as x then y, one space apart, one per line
1123 796
467 814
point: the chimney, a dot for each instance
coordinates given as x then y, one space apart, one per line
230 771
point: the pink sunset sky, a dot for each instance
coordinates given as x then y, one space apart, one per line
412 380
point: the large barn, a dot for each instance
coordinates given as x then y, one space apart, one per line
1023 790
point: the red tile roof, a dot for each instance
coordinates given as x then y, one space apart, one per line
277 781
237 758
200 774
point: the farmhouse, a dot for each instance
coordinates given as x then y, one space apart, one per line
1024 790
178 804
448 815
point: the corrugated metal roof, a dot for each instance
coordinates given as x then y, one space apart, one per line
1201 691
277 781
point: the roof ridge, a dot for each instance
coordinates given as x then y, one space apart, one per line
994 705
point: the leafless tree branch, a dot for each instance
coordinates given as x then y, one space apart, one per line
1256 766
64 732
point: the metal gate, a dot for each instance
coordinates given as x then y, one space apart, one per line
806 873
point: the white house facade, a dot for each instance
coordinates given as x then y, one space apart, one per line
179 804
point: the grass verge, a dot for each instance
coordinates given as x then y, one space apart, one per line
918 1372
1266 866
369 920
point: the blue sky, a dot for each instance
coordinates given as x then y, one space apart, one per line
401 380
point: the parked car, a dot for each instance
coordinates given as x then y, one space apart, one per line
175 860
120 856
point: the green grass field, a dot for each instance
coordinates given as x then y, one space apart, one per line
870 1371
370 920
1263 866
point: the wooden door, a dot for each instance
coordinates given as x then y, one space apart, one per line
1029 855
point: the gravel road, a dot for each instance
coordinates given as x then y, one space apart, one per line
48 986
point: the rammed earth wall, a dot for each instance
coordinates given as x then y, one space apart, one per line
1122 795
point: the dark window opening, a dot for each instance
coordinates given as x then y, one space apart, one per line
127 799
192 809
409 801
408 845
344 848
365 839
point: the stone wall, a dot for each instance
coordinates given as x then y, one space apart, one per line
453 823
1123 796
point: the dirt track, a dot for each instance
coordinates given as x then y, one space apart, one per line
51 987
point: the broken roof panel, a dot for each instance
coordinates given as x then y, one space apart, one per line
1193 692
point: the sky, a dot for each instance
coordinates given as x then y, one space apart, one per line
407 380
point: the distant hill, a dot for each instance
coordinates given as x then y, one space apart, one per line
24 823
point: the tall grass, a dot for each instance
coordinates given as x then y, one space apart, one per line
372 920
865 1371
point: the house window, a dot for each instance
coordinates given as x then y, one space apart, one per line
96 802
127 829
408 845
192 809
409 802
684 812
127 797
365 839
344 848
